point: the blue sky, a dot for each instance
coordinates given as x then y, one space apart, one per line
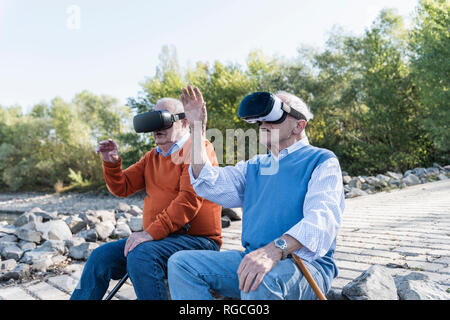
45 53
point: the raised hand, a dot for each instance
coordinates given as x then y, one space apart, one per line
108 150
194 106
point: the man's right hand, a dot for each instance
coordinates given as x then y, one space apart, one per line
108 150
194 106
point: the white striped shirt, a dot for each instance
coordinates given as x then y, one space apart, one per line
322 208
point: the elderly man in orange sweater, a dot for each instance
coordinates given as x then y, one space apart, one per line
174 217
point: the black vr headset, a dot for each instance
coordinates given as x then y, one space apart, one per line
155 121
267 107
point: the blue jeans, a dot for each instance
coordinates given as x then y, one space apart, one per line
146 265
193 273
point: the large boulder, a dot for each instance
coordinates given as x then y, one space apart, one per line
417 286
54 230
373 284
54 246
355 192
7 265
123 207
20 271
135 210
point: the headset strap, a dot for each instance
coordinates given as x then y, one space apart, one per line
291 111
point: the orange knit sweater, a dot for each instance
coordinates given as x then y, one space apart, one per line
171 201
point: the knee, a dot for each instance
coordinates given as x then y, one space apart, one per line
269 288
176 261
143 260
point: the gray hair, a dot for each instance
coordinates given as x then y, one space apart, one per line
296 103
176 104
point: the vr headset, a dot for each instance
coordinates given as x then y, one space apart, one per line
267 107
155 121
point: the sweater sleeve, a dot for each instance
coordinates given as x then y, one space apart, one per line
123 183
183 208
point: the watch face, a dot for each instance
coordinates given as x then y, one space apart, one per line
281 243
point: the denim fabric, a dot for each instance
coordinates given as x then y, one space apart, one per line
192 274
146 265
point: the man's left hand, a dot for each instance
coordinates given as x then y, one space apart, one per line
135 239
256 265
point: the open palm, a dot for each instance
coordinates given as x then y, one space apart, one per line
194 105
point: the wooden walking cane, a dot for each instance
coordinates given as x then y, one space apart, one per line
308 277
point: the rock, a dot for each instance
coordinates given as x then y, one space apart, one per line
432 171
27 217
88 235
104 229
5 244
394 175
422 290
124 218
135 224
355 183
9 238
373 284
355 192
417 286
41 265
122 230
7 265
346 179
442 177
91 217
75 223
235 214
30 257
135 210
75 241
82 251
384 178
411 180
419 172
8 228
12 252
106 215
226 221
27 246
46 216
334 294
29 235
124 207
20 271
54 246
54 230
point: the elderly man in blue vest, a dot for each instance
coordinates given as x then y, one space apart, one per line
292 201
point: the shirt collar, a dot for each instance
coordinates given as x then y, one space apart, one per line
294 147
175 147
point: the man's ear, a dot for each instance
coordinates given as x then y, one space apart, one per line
301 125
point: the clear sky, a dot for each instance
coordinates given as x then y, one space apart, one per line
52 48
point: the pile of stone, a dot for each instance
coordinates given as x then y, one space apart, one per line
364 185
377 283
38 240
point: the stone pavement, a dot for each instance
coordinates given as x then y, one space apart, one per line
405 230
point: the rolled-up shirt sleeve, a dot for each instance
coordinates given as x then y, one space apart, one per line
222 185
322 210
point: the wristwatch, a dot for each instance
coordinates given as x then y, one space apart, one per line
282 244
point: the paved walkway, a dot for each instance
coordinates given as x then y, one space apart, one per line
405 230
